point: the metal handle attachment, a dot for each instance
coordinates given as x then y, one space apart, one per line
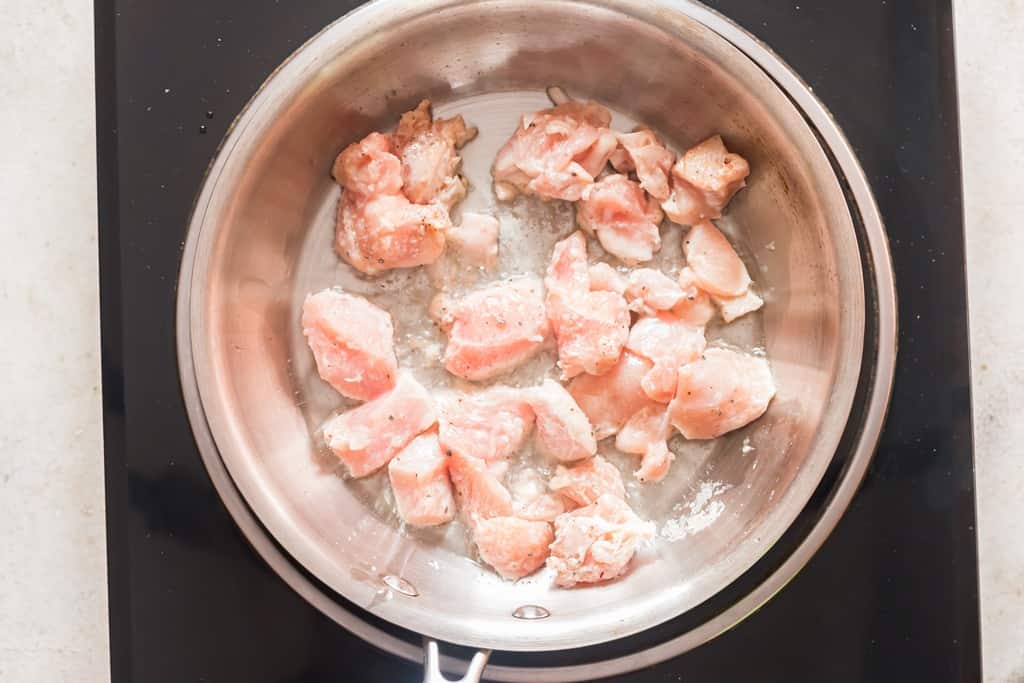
432 665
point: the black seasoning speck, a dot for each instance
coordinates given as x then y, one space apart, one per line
202 129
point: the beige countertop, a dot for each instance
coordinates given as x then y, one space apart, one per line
53 618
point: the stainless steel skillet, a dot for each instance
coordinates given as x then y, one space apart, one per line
259 240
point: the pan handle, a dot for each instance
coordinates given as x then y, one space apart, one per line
432 665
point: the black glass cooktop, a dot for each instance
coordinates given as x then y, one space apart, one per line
892 595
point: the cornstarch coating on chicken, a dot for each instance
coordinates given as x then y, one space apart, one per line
703 181
596 543
352 342
397 192
493 330
419 481
366 438
591 327
536 412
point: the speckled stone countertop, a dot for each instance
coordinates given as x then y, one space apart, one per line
53 615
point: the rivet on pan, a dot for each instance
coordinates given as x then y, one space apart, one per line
400 585
531 612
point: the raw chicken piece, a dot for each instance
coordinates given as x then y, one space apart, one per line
646 434
514 547
427 150
397 192
555 153
668 342
650 291
696 307
490 425
703 181
352 342
643 152
476 239
388 231
494 329
625 220
717 269
584 483
563 430
366 438
369 167
531 499
596 542
604 278
480 494
590 327
612 398
419 481
733 307
722 391
543 508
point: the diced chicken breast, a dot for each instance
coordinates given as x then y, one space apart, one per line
531 499
352 342
722 391
554 153
596 543
642 151
480 494
427 150
490 425
388 231
717 269
733 307
646 434
590 327
494 329
397 192
420 484
650 291
625 220
514 547
587 481
703 181
695 307
668 342
563 430
476 239
369 167
609 400
604 278
366 438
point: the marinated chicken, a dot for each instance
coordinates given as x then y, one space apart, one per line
722 391
587 481
397 191
643 153
555 153
591 327
514 547
624 218
491 425
609 400
420 484
517 462
668 342
596 543
494 329
366 438
563 431
703 181
718 270
352 343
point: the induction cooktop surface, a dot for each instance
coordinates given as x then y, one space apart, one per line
892 594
